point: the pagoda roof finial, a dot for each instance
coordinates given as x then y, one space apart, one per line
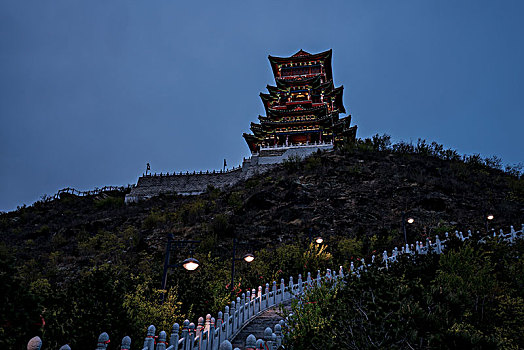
301 53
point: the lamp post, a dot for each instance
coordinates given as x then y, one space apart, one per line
249 257
405 220
190 264
489 217
317 239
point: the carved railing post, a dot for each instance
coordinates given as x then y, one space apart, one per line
103 340
199 330
225 345
260 344
266 302
278 333
161 343
212 333
268 337
185 335
309 280
251 342
282 291
34 343
227 330
247 304
232 317
126 343
149 342
219 328
191 340
274 290
173 340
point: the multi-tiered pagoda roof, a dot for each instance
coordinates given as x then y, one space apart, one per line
304 105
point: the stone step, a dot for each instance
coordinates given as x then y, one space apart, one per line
268 318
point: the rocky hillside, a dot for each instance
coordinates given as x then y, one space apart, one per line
353 192
357 192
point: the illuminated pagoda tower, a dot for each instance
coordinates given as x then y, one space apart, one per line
304 106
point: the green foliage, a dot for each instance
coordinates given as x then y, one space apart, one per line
270 264
316 257
213 192
220 225
348 247
235 200
191 212
313 162
143 307
58 239
465 299
103 242
43 230
204 290
467 286
19 310
109 202
381 142
312 319
154 219
292 163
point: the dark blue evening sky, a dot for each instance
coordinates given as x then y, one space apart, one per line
90 91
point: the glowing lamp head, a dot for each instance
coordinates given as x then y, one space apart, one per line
490 217
319 240
411 220
190 264
249 257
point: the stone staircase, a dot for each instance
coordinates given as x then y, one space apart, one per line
268 318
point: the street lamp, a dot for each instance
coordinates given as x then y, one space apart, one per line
409 220
489 217
247 258
190 264
317 239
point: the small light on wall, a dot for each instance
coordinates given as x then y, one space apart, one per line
191 264
410 220
319 240
490 217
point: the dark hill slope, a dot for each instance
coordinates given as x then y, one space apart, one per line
91 264
354 193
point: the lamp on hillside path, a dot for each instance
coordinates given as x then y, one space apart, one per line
249 257
190 264
405 220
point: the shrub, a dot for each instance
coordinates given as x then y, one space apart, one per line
313 162
143 307
191 212
381 142
235 201
153 220
109 202
292 163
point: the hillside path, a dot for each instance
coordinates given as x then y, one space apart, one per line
268 318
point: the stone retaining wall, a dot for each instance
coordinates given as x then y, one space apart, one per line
196 183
